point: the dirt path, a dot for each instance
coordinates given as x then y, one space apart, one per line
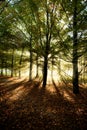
26 105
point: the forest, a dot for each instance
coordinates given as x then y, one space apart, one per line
43 64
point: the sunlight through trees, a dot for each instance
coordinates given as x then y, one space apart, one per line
45 39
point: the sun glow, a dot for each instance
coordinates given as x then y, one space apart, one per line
51 74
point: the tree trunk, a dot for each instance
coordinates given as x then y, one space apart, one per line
37 65
2 67
20 62
59 68
52 62
6 67
30 68
45 70
75 53
84 71
47 46
12 64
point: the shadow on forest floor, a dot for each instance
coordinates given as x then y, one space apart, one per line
26 105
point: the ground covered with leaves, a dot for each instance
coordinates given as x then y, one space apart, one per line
25 105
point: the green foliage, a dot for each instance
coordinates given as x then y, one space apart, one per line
25 24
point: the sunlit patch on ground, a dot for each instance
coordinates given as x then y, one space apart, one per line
16 94
50 88
68 96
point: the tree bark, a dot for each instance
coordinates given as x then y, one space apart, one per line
47 46
37 65
20 62
2 67
12 64
52 62
30 68
45 70
75 53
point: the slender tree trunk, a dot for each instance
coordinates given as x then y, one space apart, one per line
75 54
6 64
81 78
45 70
37 65
52 67
12 64
59 68
20 62
30 68
84 71
6 67
2 67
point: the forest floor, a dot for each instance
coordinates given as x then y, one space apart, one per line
26 105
